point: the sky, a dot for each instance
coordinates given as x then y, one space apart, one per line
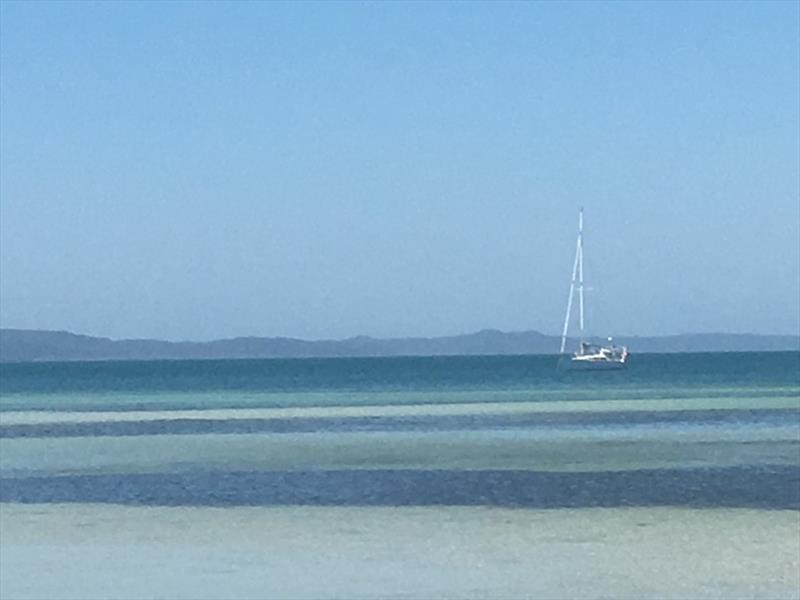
322 170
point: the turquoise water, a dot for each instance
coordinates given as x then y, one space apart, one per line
168 385
675 430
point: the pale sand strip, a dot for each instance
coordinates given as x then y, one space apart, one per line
511 408
111 552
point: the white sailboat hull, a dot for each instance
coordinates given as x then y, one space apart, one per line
574 363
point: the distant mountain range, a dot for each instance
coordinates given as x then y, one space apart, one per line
24 345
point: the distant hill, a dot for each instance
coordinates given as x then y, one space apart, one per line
23 345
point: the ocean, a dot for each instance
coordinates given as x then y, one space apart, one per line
353 454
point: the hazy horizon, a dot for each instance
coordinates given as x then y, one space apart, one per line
572 335
201 171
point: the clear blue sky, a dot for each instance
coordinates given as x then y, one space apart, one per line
193 171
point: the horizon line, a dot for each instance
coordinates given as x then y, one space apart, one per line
390 338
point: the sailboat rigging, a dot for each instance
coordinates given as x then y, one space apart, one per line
588 356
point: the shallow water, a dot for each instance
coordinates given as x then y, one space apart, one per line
688 430
516 480
86 551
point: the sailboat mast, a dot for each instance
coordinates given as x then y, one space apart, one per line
580 268
578 261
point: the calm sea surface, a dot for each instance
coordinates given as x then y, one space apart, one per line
707 430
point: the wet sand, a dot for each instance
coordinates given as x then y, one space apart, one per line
87 551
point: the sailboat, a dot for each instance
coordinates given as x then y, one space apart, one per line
588 357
